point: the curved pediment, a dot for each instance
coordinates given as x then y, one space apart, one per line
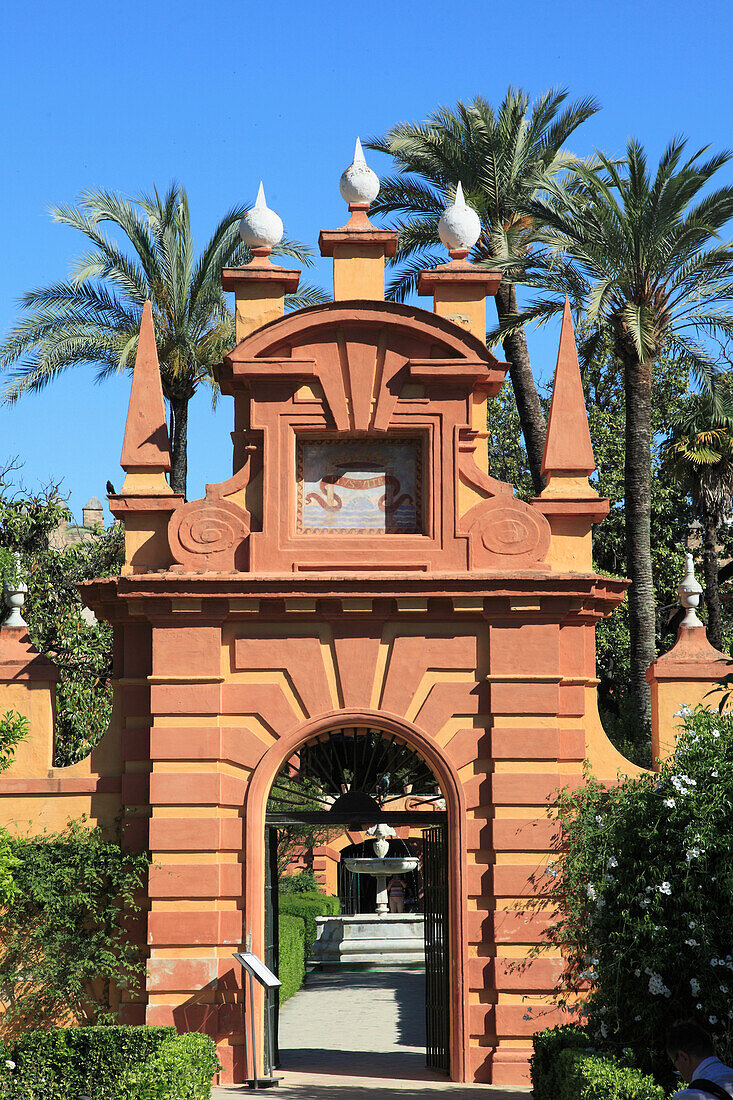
362 354
444 337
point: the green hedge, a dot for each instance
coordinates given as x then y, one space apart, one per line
563 1068
544 1064
309 906
585 1076
292 955
181 1069
66 1063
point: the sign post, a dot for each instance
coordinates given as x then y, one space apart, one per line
257 971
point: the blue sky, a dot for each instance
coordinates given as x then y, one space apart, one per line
219 95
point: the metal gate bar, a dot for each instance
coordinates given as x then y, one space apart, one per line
437 1012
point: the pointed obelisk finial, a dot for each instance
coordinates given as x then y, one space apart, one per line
568 449
145 448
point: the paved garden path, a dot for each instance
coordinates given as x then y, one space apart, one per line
354 1035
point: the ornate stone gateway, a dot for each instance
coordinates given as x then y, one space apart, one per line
361 568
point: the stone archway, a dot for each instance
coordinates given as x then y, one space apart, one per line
261 781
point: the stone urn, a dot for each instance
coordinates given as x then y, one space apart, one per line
14 595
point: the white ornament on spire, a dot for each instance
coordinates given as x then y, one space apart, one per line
359 185
689 591
261 227
460 226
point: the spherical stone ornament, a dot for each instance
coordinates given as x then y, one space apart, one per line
359 185
261 227
460 226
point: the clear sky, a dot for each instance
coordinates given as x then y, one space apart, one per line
219 95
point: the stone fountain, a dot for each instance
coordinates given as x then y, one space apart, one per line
381 938
380 866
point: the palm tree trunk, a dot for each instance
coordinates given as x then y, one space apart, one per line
712 588
179 444
637 478
531 416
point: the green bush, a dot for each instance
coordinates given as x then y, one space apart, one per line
643 877
291 970
544 1064
77 1061
587 1076
181 1068
563 1068
304 882
308 907
65 938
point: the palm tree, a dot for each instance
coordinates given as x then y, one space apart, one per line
94 317
641 255
699 455
503 159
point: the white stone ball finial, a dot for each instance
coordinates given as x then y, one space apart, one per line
261 227
460 226
689 591
359 185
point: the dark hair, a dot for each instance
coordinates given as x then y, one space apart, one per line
691 1038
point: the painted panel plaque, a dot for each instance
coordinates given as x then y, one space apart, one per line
355 487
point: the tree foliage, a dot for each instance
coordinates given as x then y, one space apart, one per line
643 874
504 158
64 942
93 318
641 253
81 649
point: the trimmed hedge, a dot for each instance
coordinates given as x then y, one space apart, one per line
181 1069
563 1068
308 906
585 1076
292 955
67 1063
544 1065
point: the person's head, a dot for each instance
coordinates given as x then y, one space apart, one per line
688 1045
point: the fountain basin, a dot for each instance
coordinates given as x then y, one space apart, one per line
363 865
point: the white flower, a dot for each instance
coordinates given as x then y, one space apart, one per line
713 962
723 988
591 891
670 803
10 1063
657 986
599 819
604 1031
716 733
683 712
637 1017
637 973
694 986
665 888
693 925
714 774
692 943
712 1019
612 862
692 853
699 1008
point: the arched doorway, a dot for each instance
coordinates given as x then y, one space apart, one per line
351 750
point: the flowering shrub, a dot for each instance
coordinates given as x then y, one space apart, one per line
644 875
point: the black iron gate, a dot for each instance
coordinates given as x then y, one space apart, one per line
272 959
437 1012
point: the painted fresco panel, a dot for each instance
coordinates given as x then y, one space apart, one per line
359 487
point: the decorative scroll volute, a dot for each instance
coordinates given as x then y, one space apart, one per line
506 533
212 534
